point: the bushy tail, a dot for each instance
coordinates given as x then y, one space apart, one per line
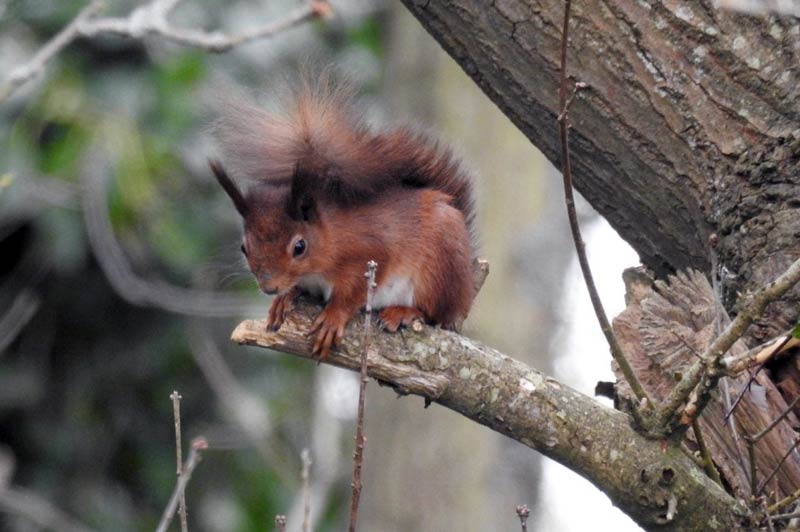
321 133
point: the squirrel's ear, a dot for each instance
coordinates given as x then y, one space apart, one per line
302 203
229 186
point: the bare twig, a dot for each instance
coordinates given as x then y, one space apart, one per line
751 454
786 501
134 289
768 520
771 351
745 389
358 456
280 523
760 354
305 456
22 73
784 517
176 411
198 446
150 19
778 466
580 247
777 420
752 307
708 462
523 512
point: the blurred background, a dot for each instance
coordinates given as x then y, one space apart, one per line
121 279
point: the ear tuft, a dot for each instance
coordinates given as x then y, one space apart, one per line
229 186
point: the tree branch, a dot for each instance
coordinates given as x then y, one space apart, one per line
566 172
114 263
640 475
151 19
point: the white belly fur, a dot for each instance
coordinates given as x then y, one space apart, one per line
395 291
316 285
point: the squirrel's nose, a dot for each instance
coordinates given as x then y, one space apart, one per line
266 277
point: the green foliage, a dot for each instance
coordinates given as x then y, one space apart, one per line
94 432
368 34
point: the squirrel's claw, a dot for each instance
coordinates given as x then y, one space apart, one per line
392 318
281 306
329 328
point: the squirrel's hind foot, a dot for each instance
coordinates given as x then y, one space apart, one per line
392 318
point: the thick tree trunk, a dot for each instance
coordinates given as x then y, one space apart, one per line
687 140
690 125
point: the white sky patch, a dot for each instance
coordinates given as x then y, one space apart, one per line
568 501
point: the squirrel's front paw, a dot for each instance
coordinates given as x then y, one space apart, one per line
281 306
392 318
329 328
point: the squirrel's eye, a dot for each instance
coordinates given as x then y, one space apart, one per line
299 248
244 250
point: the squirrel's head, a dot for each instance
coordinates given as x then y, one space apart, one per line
281 230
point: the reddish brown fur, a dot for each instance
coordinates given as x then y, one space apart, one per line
352 195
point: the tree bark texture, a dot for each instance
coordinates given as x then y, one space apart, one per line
655 483
663 327
690 125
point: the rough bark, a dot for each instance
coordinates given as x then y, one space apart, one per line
689 127
643 477
662 329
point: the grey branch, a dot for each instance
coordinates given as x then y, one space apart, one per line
488 387
198 446
150 19
118 271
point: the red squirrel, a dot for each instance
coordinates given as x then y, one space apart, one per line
327 194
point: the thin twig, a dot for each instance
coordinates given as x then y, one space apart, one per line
126 283
305 457
176 411
752 308
745 389
523 512
754 374
150 19
22 73
786 501
760 354
580 247
358 456
777 420
280 523
198 446
708 462
751 454
778 466
782 517
764 507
